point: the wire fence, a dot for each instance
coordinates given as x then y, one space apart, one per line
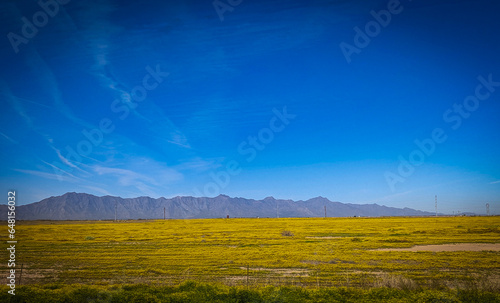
236 275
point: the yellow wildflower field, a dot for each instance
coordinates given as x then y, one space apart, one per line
311 252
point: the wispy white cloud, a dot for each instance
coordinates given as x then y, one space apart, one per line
140 176
197 164
32 102
98 32
14 102
18 106
64 172
98 190
49 83
62 158
50 176
495 182
174 137
125 177
8 138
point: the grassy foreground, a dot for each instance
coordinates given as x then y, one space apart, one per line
193 292
312 258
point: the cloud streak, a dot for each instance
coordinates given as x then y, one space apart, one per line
48 82
95 18
14 102
8 138
50 176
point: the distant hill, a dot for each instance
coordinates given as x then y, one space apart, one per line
81 206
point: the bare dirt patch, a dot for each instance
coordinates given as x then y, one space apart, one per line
324 237
282 271
39 275
448 247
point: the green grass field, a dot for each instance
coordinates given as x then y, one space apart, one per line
311 253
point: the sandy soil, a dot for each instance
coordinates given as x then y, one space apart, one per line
324 237
448 247
283 271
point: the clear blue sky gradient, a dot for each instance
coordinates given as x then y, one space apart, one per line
215 124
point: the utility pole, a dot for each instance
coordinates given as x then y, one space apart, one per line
277 210
325 211
164 214
115 210
436 199
487 209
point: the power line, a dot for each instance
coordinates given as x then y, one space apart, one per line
436 204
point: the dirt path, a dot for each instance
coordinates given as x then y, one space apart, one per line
324 237
448 247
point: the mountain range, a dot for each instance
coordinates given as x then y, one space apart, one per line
81 206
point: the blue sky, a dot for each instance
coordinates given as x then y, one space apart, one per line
253 99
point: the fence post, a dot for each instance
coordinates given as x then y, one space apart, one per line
21 274
247 274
